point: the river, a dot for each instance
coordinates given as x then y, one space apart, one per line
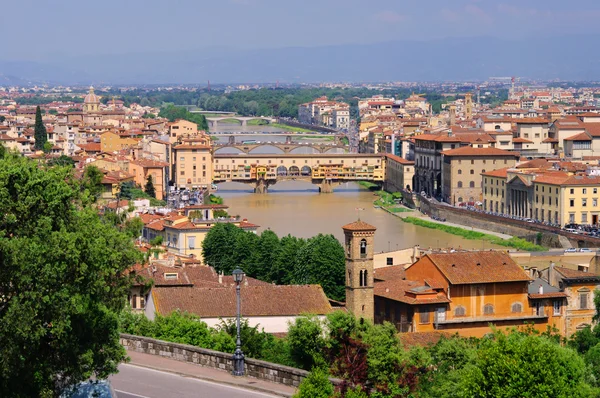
297 208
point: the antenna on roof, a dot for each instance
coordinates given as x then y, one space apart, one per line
208 85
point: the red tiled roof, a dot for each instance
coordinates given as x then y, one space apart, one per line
521 140
575 274
359 226
389 273
532 120
477 267
270 300
533 164
398 159
548 295
497 173
579 137
397 290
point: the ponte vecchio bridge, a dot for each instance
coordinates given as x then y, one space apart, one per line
286 147
325 170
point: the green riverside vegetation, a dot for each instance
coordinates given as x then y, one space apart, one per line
286 261
371 360
513 242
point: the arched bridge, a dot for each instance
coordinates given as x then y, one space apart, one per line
286 147
213 121
326 170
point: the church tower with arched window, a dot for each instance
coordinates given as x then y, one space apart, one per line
359 237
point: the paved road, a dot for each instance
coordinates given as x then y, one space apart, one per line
138 382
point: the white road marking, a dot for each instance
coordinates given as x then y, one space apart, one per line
130 393
247 390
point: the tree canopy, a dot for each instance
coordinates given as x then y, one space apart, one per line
63 282
173 113
40 134
318 260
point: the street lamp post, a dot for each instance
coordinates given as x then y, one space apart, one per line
238 355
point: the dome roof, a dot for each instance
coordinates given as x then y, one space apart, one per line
91 98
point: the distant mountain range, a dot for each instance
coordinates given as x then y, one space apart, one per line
452 59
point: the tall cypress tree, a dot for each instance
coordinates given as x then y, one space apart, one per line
40 135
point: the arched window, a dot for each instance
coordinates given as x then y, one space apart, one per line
488 309
363 278
459 171
360 277
460 311
363 248
460 184
516 308
497 127
472 184
460 199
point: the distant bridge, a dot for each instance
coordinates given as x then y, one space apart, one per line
325 170
286 147
214 121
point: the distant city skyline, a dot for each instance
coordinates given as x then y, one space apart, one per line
49 30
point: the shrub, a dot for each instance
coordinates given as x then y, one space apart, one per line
315 385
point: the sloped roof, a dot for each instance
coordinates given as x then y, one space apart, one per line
397 290
571 274
497 173
477 267
359 226
270 300
390 272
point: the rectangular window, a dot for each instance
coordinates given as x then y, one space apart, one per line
584 202
192 242
571 191
595 202
595 190
584 219
571 218
583 301
170 275
584 191
424 315
389 261
556 307
571 202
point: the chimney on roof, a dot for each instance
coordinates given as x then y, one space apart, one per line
552 274
541 289
220 278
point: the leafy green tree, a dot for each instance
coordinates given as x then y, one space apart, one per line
62 160
315 385
282 271
133 227
62 284
91 183
519 365
265 255
244 248
218 247
254 341
173 113
306 340
40 134
321 261
149 188
47 147
592 358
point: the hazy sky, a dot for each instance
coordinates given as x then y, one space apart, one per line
34 29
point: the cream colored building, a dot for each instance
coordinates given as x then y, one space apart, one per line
180 129
192 163
462 169
399 173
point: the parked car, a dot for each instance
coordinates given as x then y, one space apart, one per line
571 250
91 388
585 250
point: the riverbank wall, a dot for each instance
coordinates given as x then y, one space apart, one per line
536 233
306 126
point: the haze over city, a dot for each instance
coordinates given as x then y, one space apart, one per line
156 42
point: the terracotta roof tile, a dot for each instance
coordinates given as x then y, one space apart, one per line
359 226
403 291
497 173
270 300
390 272
477 267
575 274
579 137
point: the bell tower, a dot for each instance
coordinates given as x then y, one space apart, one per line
359 238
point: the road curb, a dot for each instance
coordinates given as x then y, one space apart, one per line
217 381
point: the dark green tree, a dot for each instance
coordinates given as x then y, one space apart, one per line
244 249
282 271
265 254
62 160
40 134
321 261
62 282
149 188
218 247
520 365
91 183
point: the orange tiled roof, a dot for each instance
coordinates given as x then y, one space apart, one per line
477 267
568 273
403 291
359 226
258 300
398 159
522 140
579 137
389 273
497 173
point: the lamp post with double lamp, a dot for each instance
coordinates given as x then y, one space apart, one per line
238 355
